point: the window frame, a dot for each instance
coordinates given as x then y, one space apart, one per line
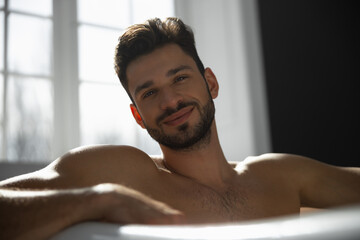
65 68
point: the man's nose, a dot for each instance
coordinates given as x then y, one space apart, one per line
170 99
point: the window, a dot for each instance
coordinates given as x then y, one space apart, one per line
58 87
26 80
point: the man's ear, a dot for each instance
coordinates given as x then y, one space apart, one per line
212 82
136 115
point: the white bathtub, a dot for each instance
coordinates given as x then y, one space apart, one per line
336 224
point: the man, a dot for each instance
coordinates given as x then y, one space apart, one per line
172 97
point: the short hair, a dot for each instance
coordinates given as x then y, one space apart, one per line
141 39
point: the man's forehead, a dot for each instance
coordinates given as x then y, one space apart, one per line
168 53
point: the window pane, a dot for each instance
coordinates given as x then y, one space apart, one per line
145 9
29 45
113 13
30 119
1 41
2 3
146 143
41 7
96 54
105 115
106 118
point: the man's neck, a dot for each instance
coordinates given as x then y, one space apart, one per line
206 165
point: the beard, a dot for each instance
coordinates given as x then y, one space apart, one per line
188 138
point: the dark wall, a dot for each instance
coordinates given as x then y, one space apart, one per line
312 70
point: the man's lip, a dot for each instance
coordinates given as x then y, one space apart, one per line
179 116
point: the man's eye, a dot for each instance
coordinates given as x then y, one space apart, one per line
179 79
148 93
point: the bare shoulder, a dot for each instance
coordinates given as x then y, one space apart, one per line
286 167
292 163
85 166
313 181
102 156
264 161
278 160
300 170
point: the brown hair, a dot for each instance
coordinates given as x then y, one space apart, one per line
141 39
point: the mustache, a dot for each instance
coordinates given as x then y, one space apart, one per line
170 111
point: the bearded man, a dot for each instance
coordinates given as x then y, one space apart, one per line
192 182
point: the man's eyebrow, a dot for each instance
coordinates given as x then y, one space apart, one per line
173 71
143 86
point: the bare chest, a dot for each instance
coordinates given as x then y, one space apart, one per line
201 204
238 203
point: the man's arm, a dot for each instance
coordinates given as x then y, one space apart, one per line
325 186
320 185
39 214
39 204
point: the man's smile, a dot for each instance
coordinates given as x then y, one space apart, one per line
179 117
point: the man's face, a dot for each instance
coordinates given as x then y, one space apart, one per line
172 98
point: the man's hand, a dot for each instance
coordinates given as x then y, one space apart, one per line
33 214
126 206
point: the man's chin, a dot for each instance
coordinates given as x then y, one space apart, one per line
186 143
